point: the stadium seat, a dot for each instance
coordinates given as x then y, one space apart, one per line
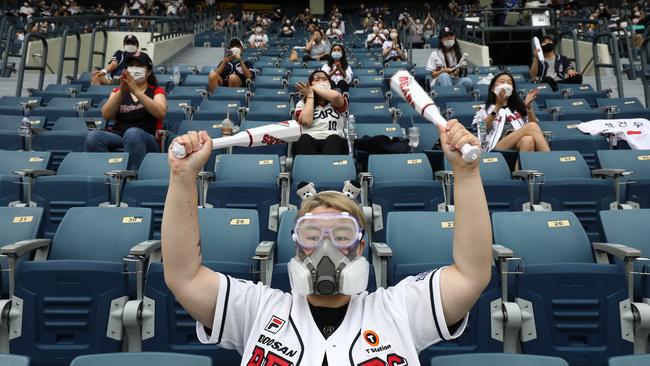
207 69
445 94
315 64
302 73
518 69
584 91
573 109
401 182
566 136
369 63
407 115
192 93
240 94
429 136
421 242
12 185
228 240
67 135
249 181
17 224
97 93
63 107
269 111
14 106
327 172
390 71
291 64
574 301
545 92
371 112
366 95
271 95
14 360
9 126
463 111
484 70
630 360
637 161
150 189
218 110
568 186
623 107
501 359
366 72
142 359
270 82
55 91
278 71
369 81
200 81
374 129
80 181
69 291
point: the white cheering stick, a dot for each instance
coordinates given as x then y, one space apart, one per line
463 60
538 49
271 134
405 85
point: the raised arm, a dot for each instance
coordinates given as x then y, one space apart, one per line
332 96
194 285
463 282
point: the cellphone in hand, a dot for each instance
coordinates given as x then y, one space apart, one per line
228 54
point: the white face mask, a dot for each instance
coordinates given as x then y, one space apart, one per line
375 29
258 30
324 85
505 87
130 48
393 35
139 73
449 43
235 51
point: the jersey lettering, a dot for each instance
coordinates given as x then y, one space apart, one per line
332 126
392 360
257 358
270 140
271 359
324 113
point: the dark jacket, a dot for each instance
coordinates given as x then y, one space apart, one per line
562 64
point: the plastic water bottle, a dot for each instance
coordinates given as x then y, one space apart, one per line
227 126
25 127
352 131
177 76
481 132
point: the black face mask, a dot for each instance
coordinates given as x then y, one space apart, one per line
548 47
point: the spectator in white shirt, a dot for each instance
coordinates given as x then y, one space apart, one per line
259 39
333 31
376 38
393 48
338 68
317 48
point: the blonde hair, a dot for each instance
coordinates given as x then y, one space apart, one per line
334 200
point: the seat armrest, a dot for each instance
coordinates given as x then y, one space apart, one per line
500 252
264 249
205 176
443 175
34 173
20 248
619 251
145 248
121 174
555 110
381 249
526 174
610 173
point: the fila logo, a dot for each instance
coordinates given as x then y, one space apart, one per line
274 325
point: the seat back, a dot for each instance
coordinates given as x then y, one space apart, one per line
92 164
569 104
142 359
17 160
14 360
637 161
405 167
330 170
70 124
556 164
374 129
247 168
154 166
631 360
19 223
493 167
501 359
285 250
627 227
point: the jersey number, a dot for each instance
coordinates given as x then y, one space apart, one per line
257 359
332 126
391 360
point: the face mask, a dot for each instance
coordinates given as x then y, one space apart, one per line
287 22
327 271
547 47
258 30
506 87
218 17
449 43
235 51
139 73
337 55
417 21
393 35
130 48
324 85
375 29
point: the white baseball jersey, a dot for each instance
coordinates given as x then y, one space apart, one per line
636 131
327 121
269 327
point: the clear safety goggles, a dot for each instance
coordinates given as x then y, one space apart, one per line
342 229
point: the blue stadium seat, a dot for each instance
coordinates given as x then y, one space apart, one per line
369 81
371 112
247 181
192 93
584 91
429 135
518 69
407 115
574 301
229 238
374 129
223 93
269 111
62 107
177 110
218 110
97 93
315 64
291 64
207 69
200 81
67 295
637 161
566 136
9 137
142 359
17 224
366 72
270 82
67 135
574 109
150 189
80 181
56 90
402 182
502 359
370 63
366 95
12 105
10 161
463 111
629 228
484 70
445 94
14 360
422 241
271 95
545 92
627 107
390 71
302 73
630 360
327 172
276 71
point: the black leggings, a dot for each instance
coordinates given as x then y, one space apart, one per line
577 79
332 145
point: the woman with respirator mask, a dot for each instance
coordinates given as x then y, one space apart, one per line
509 122
233 71
445 64
116 64
392 49
138 107
338 68
556 69
328 318
321 112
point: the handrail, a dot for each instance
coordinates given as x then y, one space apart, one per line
92 52
7 52
616 65
23 63
644 70
576 53
74 58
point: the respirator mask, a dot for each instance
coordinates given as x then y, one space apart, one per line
507 87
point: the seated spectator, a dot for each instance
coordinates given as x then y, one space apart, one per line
321 112
288 30
375 39
317 47
416 32
218 23
138 107
303 17
509 122
392 49
333 32
233 71
338 68
444 62
259 39
117 63
556 69
429 27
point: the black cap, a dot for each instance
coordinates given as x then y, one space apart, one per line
142 58
445 32
131 39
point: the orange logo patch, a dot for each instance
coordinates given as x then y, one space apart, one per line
371 338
